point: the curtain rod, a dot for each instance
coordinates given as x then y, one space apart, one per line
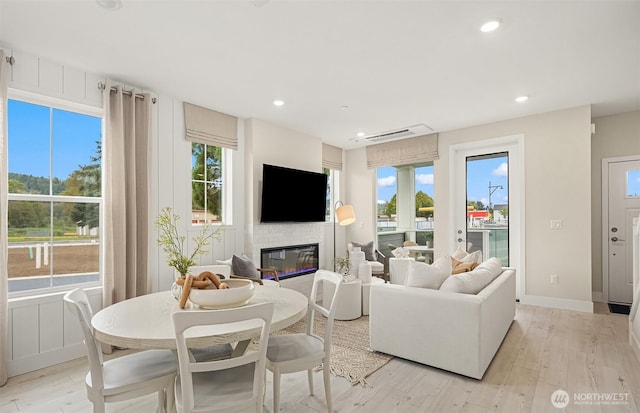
102 87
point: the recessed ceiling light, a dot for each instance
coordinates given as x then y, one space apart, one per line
278 102
521 99
490 26
110 4
360 134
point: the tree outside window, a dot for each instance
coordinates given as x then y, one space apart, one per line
206 183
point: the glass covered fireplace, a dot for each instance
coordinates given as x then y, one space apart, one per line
290 261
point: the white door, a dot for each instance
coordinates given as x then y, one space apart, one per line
500 231
623 205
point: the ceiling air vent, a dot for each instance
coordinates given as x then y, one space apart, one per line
410 131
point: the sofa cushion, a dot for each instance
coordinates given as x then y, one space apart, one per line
368 249
429 276
474 281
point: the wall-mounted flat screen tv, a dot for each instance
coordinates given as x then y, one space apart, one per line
292 195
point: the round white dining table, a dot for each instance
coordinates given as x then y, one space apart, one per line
145 322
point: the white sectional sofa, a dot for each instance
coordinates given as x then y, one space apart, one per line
448 330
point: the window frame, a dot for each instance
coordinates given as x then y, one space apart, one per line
226 197
87 110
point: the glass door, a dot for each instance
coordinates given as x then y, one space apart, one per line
487 201
487 205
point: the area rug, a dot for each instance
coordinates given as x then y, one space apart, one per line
619 308
351 356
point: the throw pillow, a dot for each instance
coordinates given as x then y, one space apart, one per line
458 267
459 254
475 256
243 266
474 281
462 255
225 262
368 249
429 276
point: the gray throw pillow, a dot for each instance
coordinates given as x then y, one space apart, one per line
369 251
243 266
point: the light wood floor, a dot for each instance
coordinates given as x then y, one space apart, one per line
545 350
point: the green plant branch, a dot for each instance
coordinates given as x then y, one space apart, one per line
172 242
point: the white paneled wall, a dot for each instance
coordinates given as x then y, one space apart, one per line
40 333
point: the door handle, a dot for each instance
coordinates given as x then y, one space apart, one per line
616 239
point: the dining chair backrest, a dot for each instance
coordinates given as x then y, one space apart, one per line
328 306
184 320
77 302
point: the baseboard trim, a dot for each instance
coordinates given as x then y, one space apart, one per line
560 303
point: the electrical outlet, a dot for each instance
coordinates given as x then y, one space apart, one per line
556 224
555 279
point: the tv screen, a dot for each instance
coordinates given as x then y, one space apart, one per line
292 195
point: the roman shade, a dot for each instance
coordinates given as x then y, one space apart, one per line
403 152
331 157
210 127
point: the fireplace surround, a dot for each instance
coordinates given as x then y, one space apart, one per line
291 260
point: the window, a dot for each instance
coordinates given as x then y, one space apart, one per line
387 194
333 189
633 184
54 196
208 174
399 186
425 208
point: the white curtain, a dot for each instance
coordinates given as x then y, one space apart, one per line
4 276
125 194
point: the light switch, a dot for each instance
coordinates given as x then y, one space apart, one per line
556 224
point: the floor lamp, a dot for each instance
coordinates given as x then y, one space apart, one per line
344 216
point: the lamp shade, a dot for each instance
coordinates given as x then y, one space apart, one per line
345 215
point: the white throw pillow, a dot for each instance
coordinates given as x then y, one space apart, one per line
463 256
475 256
429 276
474 281
459 254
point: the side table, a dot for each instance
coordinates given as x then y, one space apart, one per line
366 290
348 301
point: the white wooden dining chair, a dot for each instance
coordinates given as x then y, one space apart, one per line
126 377
296 352
226 385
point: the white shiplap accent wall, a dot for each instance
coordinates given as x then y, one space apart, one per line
41 333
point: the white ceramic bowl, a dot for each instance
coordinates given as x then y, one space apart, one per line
238 294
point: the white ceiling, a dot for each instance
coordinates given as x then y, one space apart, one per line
393 63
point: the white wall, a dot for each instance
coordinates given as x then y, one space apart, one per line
276 145
557 186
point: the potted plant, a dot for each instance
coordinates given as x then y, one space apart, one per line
173 244
342 264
